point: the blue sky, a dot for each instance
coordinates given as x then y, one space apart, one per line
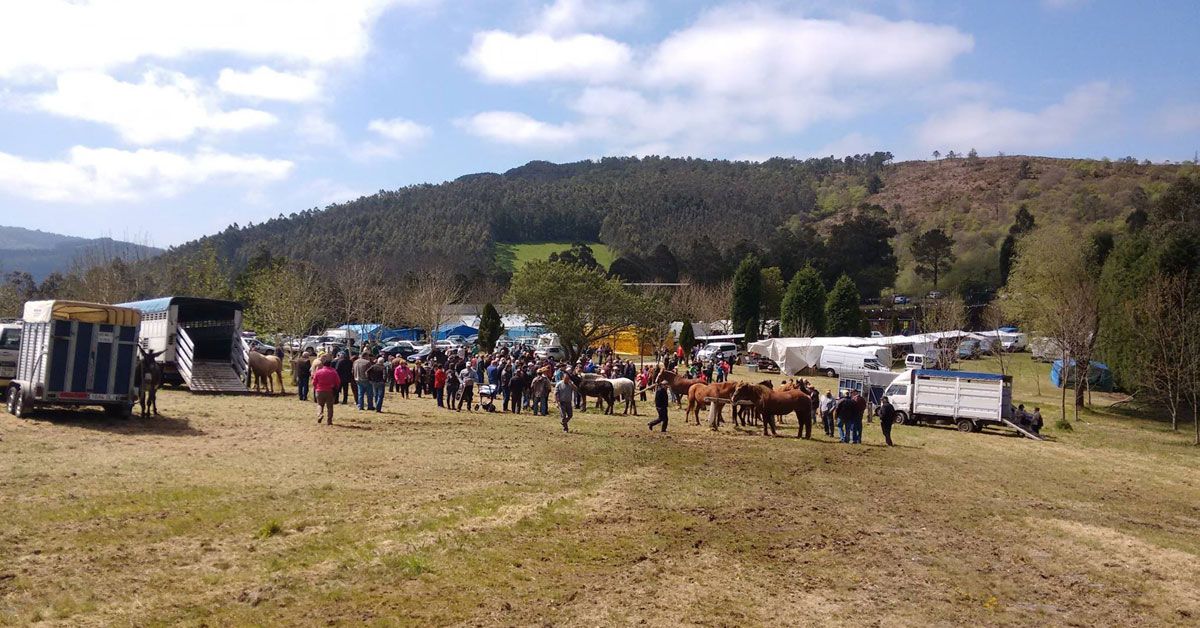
163 120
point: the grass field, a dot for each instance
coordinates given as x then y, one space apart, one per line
513 256
242 510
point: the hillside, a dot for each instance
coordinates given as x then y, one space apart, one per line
710 213
40 253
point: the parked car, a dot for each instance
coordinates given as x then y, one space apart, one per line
969 349
934 294
718 351
877 334
402 348
260 346
900 299
422 354
551 352
457 341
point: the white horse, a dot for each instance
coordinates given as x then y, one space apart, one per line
623 390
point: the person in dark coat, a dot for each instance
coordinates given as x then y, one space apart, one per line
661 402
516 390
344 366
887 416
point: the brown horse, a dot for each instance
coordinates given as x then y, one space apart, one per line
676 383
772 403
697 394
149 377
262 367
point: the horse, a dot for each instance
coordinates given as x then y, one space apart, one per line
772 403
676 383
601 389
749 415
263 367
623 390
149 376
697 393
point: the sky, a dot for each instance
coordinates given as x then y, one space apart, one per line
165 120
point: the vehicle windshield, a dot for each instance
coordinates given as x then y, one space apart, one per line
10 339
873 364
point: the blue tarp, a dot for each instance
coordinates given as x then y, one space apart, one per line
961 374
1099 375
404 333
445 331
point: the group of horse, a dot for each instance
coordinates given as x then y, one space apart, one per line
764 402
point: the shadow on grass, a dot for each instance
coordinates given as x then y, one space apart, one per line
97 420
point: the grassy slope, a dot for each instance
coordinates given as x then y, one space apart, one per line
421 517
513 256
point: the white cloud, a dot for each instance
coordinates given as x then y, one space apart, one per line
854 143
570 16
400 130
265 83
507 58
49 36
741 74
164 106
989 129
108 174
317 129
510 127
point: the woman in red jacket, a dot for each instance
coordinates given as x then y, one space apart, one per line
404 378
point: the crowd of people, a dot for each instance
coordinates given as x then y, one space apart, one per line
516 380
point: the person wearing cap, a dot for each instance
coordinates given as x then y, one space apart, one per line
539 388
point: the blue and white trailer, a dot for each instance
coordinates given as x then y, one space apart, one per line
200 341
74 353
969 401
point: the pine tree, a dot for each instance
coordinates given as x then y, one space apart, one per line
687 336
842 315
490 328
747 293
803 311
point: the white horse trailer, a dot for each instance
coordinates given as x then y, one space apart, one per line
200 340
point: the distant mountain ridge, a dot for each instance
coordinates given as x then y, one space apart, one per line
40 253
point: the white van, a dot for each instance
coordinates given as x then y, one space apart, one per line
836 359
920 361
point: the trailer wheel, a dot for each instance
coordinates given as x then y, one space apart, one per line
16 402
966 425
901 418
830 373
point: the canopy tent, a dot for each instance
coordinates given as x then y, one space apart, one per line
1099 375
517 326
46 311
791 354
452 329
403 333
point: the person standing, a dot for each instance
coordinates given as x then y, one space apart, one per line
377 375
887 416
302 371
363 390
466 385
439 384
325 383
451 387
661 403
564 394
516 389
345 370
827 407
404 378
860 408
540 391
845 417
1036 421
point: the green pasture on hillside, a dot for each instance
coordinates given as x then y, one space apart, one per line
513 256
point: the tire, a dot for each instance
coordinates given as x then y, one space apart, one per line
830 373
966 425
16 403
901 418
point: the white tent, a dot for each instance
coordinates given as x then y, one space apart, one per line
794 354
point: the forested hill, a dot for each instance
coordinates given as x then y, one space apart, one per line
709 213
40 253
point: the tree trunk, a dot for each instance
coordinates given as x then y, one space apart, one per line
1062 381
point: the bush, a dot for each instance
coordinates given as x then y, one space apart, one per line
1063 425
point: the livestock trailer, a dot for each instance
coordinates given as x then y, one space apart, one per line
76 354
10 345
200 340
970 401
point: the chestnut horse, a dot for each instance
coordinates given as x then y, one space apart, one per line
676 383
772 403
697 393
